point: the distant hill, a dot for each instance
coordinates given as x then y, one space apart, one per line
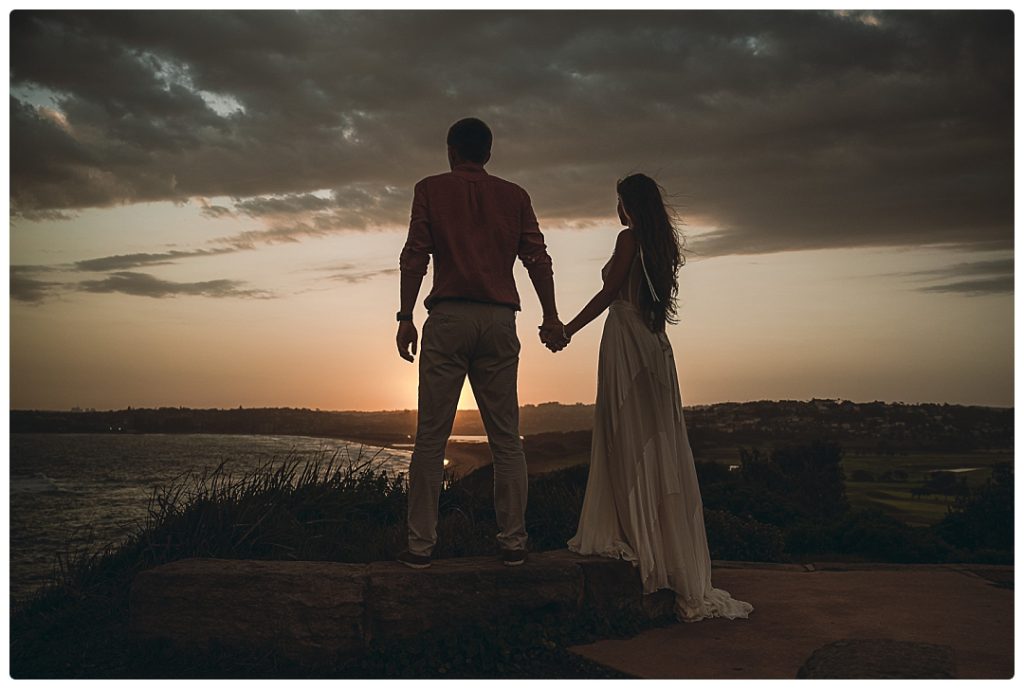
285 421
877 427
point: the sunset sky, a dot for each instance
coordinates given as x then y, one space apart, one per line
207 208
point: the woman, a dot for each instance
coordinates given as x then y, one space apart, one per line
643 503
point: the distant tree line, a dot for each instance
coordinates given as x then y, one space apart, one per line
862 428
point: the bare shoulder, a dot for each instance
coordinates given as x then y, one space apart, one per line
625 248
626 241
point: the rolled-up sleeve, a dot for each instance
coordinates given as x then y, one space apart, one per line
420 243
532 250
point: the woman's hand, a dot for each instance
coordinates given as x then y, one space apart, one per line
553 335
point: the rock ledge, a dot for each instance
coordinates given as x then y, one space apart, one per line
324 612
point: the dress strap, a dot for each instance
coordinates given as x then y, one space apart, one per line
650 284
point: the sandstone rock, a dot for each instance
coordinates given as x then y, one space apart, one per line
612 587
317 613
311 612
460 591
879 659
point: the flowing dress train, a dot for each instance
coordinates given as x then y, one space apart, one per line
642 501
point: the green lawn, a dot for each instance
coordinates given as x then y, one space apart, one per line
918 464
895 497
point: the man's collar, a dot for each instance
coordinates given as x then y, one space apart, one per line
470 169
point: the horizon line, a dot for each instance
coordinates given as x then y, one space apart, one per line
539 404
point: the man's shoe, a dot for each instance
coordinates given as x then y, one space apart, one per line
513 558
413 560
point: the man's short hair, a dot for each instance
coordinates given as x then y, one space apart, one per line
471 138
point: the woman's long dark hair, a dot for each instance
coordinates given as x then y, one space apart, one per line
658 237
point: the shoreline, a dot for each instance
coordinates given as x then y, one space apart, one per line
465 457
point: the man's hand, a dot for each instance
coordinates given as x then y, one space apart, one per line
553 335
406 339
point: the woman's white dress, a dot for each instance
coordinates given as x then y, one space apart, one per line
643 502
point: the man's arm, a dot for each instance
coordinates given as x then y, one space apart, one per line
407 333
534 255
544 285
413 264
409 290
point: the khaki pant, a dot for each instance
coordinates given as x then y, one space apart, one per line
468 338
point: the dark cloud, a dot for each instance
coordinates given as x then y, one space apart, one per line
972 278
782 130
36 216
354 276
26 287
145 285
973 288
287 205
291 217
966 268
352 273
122 261
212 210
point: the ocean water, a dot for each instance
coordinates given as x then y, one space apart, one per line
84 490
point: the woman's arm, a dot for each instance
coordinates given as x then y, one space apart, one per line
622 260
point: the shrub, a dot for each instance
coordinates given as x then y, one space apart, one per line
467 524
808 478
810 537
758 470
983 519
751 502
735 538
873 534
943 483
554 506
814 475
710 473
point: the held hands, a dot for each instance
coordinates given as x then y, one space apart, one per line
406 339
553 335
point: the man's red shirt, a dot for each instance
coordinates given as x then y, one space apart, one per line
475 225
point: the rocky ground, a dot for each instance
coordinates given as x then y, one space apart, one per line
837 621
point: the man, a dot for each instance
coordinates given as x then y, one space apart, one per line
475 225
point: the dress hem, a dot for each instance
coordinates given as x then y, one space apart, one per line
717 603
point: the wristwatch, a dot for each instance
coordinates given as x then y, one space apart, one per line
403 316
